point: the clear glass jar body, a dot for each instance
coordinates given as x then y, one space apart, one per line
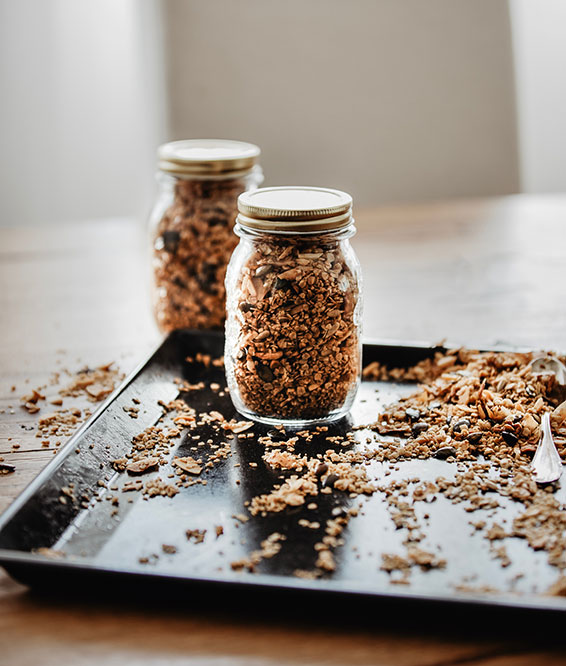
191 230
293 326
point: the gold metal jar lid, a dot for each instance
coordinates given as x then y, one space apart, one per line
207 157
295 208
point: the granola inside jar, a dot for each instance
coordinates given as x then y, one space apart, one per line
191 228
293 294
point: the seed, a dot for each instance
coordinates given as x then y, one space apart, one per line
321 469
171 241
509 437
330 480
419 427
412 413
445 452
263 270
462 423
257 288
264 373
284 285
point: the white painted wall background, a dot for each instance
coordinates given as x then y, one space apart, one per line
391 100
81 108
539 35
84 101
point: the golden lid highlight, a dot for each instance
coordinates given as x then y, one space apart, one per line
207 157
295 208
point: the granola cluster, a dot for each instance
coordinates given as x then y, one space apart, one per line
191 248
484 412
472 404
293 329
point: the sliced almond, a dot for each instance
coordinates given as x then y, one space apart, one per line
240 426
142 465
188 464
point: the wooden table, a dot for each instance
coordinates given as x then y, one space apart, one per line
476 272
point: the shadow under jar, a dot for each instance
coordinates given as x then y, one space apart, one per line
191 227
293 295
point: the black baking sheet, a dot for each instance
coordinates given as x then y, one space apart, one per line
104 542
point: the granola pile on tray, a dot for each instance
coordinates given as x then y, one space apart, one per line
473 403
478 412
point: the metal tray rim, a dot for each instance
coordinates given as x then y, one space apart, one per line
275 582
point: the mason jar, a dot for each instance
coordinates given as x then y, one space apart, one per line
191 226
294 302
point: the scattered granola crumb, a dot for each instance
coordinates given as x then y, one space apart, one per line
197 536
238 426
291 493
269 548
30 401
155 487
132 412
94 383
326 561
142 465
188 464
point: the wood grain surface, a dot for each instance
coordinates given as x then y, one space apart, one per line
475 272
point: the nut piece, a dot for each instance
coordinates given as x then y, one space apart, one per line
188 464
142 465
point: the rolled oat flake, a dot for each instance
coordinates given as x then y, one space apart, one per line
293 294
191 227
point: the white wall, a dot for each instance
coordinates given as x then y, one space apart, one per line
392 100
539 34
81 108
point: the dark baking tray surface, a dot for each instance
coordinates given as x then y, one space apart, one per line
104 542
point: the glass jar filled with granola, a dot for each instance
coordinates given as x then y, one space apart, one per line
293 294
191 227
